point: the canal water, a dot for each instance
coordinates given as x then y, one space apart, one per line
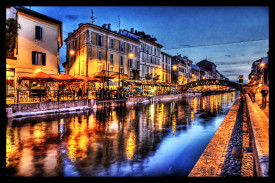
155 139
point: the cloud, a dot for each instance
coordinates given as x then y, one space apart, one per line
71 17
227 55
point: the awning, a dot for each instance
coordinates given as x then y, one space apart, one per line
69 78
41 76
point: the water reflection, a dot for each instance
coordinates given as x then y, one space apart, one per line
133 141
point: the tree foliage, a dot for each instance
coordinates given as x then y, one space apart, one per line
11 35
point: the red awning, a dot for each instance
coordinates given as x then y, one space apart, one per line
41 76
68 78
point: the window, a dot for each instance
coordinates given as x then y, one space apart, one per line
137 65
38 58
111 68
130 74
147 70
99 55
121 46
143 70
121 60
99 40
143 57
112 43
38 32
130 63
158 61
121 70
111 58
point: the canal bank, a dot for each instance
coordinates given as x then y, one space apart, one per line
240 147
28 109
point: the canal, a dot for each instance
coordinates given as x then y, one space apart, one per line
155 139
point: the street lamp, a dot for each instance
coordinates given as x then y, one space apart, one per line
174 67
131 55
72 52
262 66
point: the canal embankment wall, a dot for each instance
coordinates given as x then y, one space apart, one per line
213 158
24 109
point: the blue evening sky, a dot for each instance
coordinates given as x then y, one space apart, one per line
234 36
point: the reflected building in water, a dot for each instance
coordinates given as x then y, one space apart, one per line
102 142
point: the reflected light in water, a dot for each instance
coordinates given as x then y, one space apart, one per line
71 148
130 146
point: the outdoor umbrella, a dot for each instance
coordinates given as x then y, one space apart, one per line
89 79
68 78
41 76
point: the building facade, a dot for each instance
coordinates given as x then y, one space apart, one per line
166 68
102 52
36 48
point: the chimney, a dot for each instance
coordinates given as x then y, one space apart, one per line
104 26
69 33
79 25
119 31
136 31
109 26
132 30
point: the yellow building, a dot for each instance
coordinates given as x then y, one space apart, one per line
101 50
36 48
165 69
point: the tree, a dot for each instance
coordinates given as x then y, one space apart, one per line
11 35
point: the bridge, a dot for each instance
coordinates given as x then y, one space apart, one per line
205 82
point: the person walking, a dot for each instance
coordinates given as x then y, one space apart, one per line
253 93
79 93
264 93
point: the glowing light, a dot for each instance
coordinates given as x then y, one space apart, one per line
38 70
174 67
131 55
262 65
130 146
7 66
72 52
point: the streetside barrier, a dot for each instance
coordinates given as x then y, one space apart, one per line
258 137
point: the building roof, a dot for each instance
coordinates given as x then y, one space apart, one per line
120 33
38 15
265 60
205 60
195 67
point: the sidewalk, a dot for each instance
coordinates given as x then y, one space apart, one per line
258 101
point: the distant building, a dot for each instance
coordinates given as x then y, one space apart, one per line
150 56
36 48
184 66
165 71
210 67
259 72
195 72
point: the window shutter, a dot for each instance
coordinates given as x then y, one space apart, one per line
97 39
102 40
41 31
43 58
33 57
37 32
